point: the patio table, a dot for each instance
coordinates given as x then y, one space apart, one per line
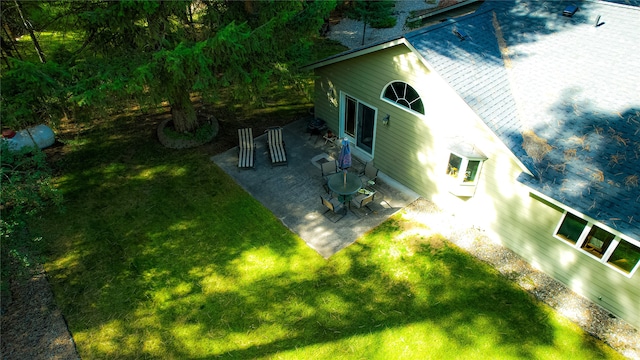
345 190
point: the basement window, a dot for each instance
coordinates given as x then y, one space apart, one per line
599 243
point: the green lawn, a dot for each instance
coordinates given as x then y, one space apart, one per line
159 254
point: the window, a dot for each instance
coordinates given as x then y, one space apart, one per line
453 168
571 228
472 171
599 243
625 257
463 169
403 95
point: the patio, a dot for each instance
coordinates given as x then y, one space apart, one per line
293 192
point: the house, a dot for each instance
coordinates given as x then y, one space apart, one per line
522 118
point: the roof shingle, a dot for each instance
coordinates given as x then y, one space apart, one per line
524 66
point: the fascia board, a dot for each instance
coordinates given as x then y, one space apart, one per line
353 54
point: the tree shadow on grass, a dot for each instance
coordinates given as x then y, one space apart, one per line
161 254
260 298
355 295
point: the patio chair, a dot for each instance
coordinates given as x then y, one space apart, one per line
363 200
246 148
328 168
275 142
369 175
334 206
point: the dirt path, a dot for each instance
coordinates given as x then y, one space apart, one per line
32 326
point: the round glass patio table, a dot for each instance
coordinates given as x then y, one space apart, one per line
344 188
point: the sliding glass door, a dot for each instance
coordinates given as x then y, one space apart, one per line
357 123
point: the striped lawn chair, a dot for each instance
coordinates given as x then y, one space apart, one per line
277 151
246 149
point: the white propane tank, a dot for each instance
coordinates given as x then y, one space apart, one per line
42 137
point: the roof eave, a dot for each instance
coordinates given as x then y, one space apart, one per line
568 208
355 53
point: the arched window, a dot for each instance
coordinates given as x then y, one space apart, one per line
404 95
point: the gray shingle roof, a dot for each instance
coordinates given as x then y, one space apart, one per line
525 67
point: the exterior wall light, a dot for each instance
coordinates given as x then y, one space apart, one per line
385 120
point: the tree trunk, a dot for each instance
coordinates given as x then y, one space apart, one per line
6 61
190 13
29 27
6 51
183 112
10 41
248 7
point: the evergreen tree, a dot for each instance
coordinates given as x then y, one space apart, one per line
166 51
158 51
378 14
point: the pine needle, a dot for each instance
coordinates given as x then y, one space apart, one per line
536 147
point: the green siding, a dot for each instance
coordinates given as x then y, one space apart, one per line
414 151
362 78
529 232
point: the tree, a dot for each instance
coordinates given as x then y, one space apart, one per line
167 51
379 14
157 51
33 89
29 27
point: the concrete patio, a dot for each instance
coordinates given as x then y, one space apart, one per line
293 192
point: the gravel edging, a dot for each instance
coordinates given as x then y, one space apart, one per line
592 318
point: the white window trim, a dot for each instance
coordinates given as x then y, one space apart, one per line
355 150
411 111
619 237
465 166
459 178
583 234
457 185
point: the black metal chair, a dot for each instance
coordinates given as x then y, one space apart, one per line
328 168
369 175
363 200
334 206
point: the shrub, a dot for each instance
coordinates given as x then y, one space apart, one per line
26 189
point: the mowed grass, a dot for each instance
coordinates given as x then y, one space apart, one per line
159 254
